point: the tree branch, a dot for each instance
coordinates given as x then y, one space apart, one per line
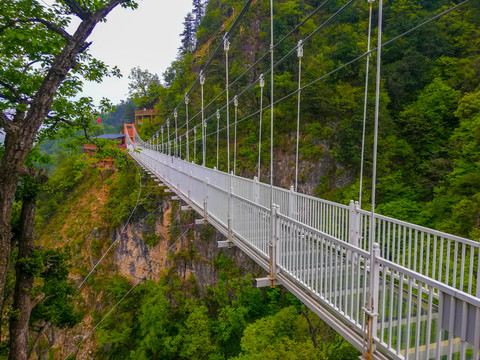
12 89
313 331
53 27
82 12
48 24
58 119
104 11
7 124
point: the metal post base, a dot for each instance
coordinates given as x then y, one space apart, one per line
225 244
266 281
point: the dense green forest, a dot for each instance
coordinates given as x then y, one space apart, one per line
167 315
428 174
428 165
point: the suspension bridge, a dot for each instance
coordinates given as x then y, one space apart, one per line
412 289
393 289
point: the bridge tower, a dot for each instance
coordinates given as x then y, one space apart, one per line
129 130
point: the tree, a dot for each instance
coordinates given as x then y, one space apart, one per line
277 337
41 70
198 12
188 35
144 87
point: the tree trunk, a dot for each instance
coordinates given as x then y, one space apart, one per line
22 301
21 132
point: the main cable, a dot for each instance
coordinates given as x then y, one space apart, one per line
227 34
359 57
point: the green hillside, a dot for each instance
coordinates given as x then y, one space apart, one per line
429 118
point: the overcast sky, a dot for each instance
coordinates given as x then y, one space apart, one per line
147 37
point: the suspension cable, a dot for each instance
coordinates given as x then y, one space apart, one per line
282 40
321 26
235 104
436 17
228 34
267 52
271 102
388 42
300 55
365 102
123 229
262 84
322 77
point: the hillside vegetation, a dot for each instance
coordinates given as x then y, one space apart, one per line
164 290
173 312
428 165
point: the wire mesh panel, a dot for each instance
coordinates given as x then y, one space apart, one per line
243 187
197 170
328 217
251 223
447 258
184 181
281 198
217 204
220 179
264 193
417 317
330 268
197 191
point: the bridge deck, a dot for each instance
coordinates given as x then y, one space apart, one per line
424 280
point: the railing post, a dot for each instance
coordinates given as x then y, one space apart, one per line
277 240
205 198
371 306
189 185
230 217
256 190
274 250
291 202
354 224
273 243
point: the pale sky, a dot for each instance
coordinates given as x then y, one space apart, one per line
147 37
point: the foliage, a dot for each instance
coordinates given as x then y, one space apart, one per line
123 195
59 292
277 337
143 88
69 172
428 164
157 320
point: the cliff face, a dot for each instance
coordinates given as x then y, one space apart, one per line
145 248
190 256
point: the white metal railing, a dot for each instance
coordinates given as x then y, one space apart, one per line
421 318
421 275
333 270
447 258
